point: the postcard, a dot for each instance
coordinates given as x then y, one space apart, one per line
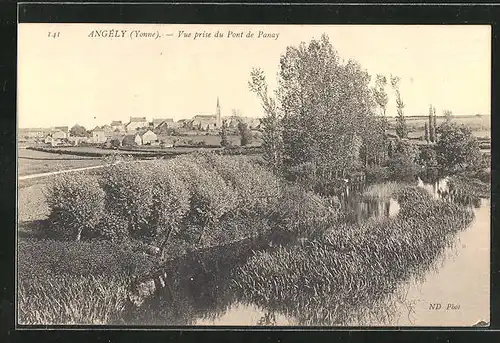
254 175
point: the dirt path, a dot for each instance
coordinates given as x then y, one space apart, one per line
33 176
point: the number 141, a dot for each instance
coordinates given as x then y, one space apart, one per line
54 34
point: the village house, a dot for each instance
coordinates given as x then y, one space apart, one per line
107 128
53 141
74 140
64 129
149 137
132 139
137 123
207 121
157 121
98 135
117 126
31 133
166 125
59 134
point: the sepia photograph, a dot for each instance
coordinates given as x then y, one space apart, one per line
253 175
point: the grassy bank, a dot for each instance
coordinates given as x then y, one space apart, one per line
471 186
75 282
352 266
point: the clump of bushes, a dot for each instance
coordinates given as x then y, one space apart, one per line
258 189
76 203
129 195
376 174
196 198
402 168
305 213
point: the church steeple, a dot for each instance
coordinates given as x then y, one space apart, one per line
217 115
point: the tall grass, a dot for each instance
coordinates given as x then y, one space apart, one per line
352 266
69 299
63 282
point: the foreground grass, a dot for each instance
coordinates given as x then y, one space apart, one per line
322 281
75 282
69 299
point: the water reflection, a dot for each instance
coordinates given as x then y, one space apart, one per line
359 210
197 287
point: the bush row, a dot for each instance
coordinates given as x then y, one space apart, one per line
189 195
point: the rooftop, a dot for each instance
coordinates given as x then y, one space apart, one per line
137 119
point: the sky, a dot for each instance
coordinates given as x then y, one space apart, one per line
91 81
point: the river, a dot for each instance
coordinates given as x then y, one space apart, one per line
453 293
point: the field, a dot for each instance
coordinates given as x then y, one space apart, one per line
480 125
35 162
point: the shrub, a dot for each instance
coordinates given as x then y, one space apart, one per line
457 148
210 197
402 168
376 174
170 201
257 188
305 213
76 203
129 195
427 158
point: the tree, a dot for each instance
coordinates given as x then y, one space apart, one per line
236 113
427 158
432 124
271 125
401 127
78 131
447 115
245 133
380 94
326 105
457 149
223 135
426 132
375 148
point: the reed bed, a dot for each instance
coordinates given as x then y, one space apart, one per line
72 300
353 266
62 282
472 187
